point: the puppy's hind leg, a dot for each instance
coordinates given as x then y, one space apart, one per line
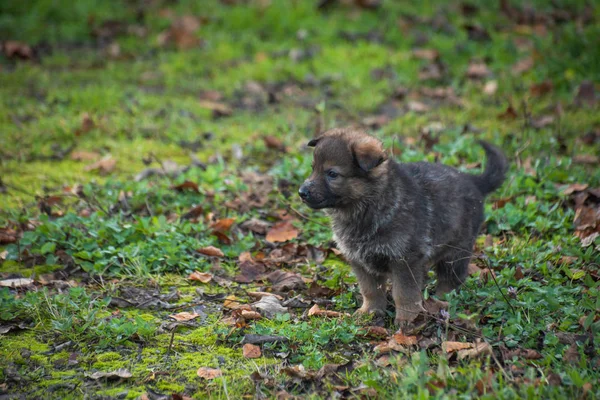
452 271
372 289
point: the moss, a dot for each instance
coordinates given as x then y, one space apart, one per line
14 267
169 387
109 361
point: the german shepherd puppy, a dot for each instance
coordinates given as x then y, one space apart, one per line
396 220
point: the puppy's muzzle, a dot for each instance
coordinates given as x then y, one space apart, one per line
304 191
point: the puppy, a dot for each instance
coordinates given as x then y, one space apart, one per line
395 220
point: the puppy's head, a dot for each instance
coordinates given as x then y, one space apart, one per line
348 165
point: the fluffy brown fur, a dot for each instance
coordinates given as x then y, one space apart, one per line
394 220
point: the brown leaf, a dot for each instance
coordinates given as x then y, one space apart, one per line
16 49
232 303
121 373
16 282
519 273
218 109
589 159
186 185
283 281
528 354
209 373
8 236
270 306
509 114
473 269
541 89
572 354
282 232
274 143
434 306
184 316
477 33
84 156
260 295
586 94
523 65
193 213
574 187
203 277
543 121
87 124
450 347
317 311
251 315
104 166
490 88
251 351
478 349
223 225
426 54
405 340
249 272
377 332
417 107
477 69
211 251
256 225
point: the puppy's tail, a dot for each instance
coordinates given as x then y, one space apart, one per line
495 169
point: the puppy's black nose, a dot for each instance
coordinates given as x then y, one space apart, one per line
303 192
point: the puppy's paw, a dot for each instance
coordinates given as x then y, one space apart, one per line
366 310
406 315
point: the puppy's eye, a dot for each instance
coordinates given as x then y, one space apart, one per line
331 174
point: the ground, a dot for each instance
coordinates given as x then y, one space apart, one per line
150 157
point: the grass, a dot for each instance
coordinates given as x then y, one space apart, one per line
286 70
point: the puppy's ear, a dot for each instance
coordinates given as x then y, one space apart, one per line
368 153
313 142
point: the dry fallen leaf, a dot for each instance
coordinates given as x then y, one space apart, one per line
121 373
218 109
84 156
508 114
449 347
523 65
16 283
87 124
316 310
478 349
251 315
186 185
251 351
222 225
574 187
184 316
586 94
589 159
16 49
104 166
211 251
540 89
209 373
426 54
282 232
284 281
270 306
203 277
477 69
8 235
490 88
405 340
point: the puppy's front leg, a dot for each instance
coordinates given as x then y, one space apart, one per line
372 289
407 285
